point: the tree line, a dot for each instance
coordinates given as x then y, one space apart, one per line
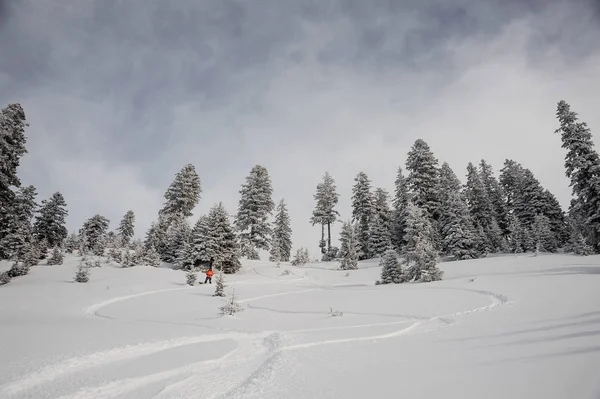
429 214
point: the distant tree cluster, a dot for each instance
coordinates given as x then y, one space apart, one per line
433 214
429 214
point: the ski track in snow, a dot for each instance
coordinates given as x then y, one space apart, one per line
91 310
264 348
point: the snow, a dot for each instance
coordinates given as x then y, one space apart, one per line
501 327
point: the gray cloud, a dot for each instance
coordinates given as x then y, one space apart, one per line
120 95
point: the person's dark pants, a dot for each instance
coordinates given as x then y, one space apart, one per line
208 279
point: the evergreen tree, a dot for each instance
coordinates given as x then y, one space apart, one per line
200 235
301 258
126 228
391 271
380 238
424 178
112 240
449 183
551 208
151 257
577 243
450 193
94 232
83 273
477 198
156 235
184 259
254 209
495 195
526 238
324 212
509 180
529 199
56 258
582 164
220 285
221 242
50 223
419 251
543 236
282 234
515 234
12 148
71 243
178 233
17 233
350 246
191 277
275 252
458 231
400 203
362 211
495 238
182 195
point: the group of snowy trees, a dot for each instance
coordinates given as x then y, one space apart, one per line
431 214
27 229
214 238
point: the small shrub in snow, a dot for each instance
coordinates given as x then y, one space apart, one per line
335 313
151 257
98 250
126 260
302 257
579 246
231 306
89 263
220 285
347 274
56 258
71 243
191 277
331 254
4 278
18 269
31 256
83 273
286 272
116 255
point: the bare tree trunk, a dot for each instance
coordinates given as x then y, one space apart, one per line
322 238
328 236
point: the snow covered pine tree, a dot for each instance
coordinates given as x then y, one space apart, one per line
324 212
254 208
362 212
281 245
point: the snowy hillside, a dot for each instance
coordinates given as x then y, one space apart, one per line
503 327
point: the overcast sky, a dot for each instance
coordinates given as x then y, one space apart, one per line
121 94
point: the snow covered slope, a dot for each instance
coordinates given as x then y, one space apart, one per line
503 327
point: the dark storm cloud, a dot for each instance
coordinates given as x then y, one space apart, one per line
123 93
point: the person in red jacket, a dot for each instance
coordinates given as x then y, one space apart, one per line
209 273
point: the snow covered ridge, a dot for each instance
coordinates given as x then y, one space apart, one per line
142 332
